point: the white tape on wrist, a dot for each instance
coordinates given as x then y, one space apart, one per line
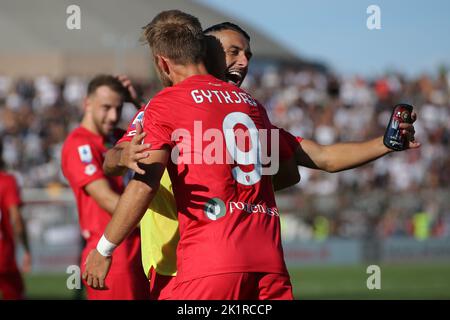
105 247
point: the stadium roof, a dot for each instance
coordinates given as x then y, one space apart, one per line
34 35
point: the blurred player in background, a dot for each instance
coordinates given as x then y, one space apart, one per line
12 226
97 195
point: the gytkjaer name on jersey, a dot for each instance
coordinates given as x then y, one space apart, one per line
222 96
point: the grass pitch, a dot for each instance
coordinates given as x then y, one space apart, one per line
399 281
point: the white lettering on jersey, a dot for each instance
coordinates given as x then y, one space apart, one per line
222 96
237 96
207 94
217 95
198 98
226 96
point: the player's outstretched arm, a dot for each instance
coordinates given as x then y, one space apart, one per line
126 155
130 209
344 156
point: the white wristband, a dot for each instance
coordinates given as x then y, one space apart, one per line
105 247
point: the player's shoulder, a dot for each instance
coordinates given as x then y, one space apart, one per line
78 133
78 139
157 101
161 104
161 95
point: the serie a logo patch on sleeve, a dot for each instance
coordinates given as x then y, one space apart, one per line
85 153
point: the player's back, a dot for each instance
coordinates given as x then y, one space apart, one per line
227 212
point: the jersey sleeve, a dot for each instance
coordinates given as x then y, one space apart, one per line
291 141
12 196
83 163
131 130
158 124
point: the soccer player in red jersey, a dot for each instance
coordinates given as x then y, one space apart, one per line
97 195
235 44
11 224
230 244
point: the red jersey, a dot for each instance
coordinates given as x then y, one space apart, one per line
227 213
9 196
82 162
131 130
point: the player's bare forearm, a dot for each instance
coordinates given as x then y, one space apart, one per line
131 208
344 156
137 197
111 164
340 156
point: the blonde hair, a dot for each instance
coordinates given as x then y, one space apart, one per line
176 35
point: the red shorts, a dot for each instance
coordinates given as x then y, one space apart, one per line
161 286
236 286
121 286
11 286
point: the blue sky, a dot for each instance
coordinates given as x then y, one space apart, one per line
414 35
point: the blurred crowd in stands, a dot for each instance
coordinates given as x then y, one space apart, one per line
403 193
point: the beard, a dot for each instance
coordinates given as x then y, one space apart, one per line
104 129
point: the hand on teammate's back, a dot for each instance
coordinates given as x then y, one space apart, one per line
134 151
